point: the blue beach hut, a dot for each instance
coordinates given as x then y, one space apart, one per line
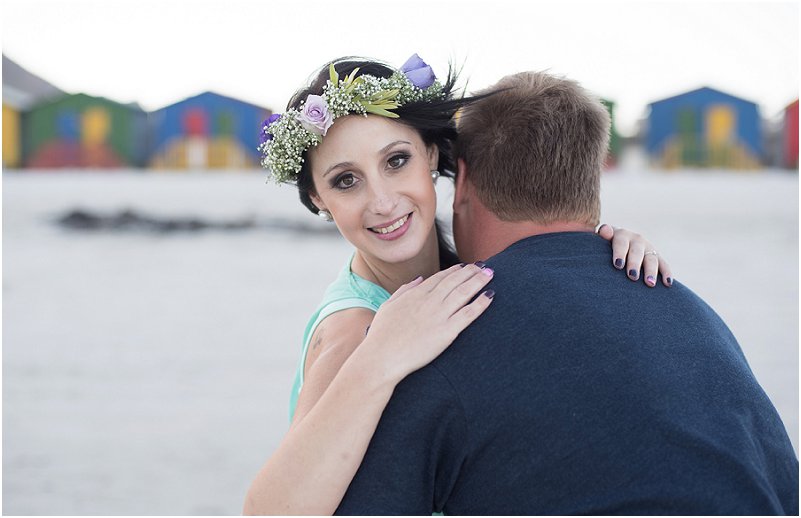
207 131
704 128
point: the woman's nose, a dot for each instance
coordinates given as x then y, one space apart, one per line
382 198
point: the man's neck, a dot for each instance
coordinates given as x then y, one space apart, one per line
497 235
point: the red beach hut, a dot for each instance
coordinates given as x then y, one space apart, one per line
790 136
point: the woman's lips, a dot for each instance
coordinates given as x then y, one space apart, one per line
394 230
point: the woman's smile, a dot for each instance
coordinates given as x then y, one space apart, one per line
394 229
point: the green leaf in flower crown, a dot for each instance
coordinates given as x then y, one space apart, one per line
332 73
384 94
352 83
371 108
351 76
386 104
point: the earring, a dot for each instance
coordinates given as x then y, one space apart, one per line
325 215
434 175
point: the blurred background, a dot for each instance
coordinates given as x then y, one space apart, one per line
155 287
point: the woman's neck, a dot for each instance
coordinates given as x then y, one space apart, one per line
391 276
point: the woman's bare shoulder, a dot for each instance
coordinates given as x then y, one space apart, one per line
331 344
338 333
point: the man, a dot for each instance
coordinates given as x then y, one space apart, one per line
574 393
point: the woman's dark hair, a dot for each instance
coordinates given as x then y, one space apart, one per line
433 120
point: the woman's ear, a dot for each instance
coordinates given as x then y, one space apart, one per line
433 157
317 201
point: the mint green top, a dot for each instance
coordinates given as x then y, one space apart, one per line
347 291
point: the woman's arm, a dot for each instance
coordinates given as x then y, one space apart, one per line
317 459
332 342
633 251
312 467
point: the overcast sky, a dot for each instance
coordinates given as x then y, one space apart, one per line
156 52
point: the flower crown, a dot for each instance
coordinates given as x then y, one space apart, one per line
285 137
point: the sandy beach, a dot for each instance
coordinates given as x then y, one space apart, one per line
148 373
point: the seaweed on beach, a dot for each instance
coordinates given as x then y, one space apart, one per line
132 221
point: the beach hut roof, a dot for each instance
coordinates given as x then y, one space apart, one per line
22 89
210 94
703 89
103 100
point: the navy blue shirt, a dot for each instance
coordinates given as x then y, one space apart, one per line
580 392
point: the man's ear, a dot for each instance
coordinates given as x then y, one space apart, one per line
461 187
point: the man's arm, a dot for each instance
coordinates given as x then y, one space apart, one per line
415 456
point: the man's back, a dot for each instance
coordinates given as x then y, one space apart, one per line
579 392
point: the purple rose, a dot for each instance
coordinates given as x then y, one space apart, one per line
315 116
418 72
266 136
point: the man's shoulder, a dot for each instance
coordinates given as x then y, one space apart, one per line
553 245
429 386
559 299
541 270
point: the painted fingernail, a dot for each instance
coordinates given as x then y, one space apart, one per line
462 265
480 264
488 271
633 274
670 281
366 330
618 263
650 280
489 294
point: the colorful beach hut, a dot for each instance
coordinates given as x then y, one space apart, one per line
704 128
79 130
207 131
614 137
13 105
790 136
21 90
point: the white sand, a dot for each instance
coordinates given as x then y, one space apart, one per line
147 374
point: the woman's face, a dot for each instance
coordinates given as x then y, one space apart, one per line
373 175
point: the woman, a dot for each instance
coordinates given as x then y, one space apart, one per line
364 144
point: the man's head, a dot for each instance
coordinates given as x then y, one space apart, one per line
532 152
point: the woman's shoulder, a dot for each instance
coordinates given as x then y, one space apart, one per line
341 329
339 333
349 290
346 309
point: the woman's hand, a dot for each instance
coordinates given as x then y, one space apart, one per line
633 251
423 317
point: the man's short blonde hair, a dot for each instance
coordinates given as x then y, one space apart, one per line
535 147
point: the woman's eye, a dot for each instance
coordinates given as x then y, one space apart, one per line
398 161
345 181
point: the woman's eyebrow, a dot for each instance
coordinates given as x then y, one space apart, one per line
341 164
389 146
